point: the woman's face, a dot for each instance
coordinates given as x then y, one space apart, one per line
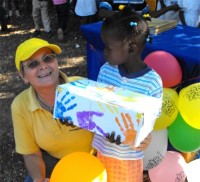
41 69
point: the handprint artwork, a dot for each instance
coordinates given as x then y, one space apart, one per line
85 120
88 119
129 131
103 109
64 105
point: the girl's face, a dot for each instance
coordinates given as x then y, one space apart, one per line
41 69
116 52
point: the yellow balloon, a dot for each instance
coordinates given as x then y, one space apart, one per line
169 110
189 105
79 167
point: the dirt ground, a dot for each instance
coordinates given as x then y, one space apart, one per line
72 61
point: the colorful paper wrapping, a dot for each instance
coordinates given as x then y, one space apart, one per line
103 108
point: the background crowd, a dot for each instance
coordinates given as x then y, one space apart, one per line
184 11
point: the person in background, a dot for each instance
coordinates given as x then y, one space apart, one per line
3 18
86 10
158 9
124 35
62 10
187 13
41 139
107 7
10 8
27 8
40 11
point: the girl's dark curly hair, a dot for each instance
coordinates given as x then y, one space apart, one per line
118 26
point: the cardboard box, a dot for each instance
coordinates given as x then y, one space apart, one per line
104 108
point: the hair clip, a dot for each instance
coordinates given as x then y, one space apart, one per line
147 17
149 39
132 24
121 7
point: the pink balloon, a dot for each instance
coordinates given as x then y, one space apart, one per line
171 169
167 66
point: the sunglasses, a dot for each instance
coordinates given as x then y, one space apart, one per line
47 59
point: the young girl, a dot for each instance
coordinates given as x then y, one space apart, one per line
124 35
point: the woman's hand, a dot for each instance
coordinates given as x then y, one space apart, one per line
67 122
144 144
41 180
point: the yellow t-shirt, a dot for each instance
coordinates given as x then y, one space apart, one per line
35 127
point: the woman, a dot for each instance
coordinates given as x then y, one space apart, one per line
41 139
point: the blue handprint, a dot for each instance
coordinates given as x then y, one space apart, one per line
62 107
85 120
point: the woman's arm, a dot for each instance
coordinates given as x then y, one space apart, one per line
35 166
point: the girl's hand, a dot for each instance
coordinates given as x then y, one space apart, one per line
111 138
144 144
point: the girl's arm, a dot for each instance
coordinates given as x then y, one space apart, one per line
144 144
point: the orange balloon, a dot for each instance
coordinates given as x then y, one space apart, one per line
80 167
166 65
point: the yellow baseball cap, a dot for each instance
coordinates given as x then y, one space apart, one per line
27 48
